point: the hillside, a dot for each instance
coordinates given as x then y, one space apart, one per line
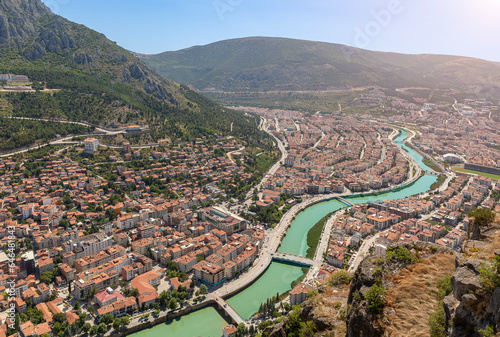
101 82
260 63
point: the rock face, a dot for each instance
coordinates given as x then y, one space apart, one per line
470 308
360 321
308 312
29 28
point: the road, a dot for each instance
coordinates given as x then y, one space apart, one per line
66 140
230 154
272 170
362 252
107 132
323 135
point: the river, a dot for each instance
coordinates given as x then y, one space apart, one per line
278 276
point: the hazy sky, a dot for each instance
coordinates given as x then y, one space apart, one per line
458 27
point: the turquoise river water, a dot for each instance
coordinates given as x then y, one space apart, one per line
278 277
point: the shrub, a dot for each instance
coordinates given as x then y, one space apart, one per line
401 254
490 275
444 287
340 277
376 299
437 322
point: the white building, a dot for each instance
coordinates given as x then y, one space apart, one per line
91 144
452 158
380 249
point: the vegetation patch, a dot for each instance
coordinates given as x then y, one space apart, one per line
18 133
401 254
437 322
431 164
440 181
314 235
490 274
339 278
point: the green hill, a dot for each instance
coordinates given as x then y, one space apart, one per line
260 63
99 81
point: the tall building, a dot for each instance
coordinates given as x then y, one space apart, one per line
91 144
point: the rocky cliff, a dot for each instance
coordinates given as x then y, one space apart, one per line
474 304
31 35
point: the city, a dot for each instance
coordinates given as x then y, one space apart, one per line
94 247
249 169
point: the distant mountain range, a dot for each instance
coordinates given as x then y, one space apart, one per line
262 63
102 82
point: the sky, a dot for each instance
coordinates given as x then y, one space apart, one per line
453 27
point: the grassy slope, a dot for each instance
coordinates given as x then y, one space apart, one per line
413 298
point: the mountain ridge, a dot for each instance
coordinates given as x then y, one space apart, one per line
266 63
100 81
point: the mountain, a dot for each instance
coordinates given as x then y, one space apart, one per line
261 63
98 81
30 31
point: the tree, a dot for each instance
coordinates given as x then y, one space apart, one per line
47 277
77 305
106 319
102 328
203 289
86 327
94 330
241 330
482 218
125 320
91 309
116 323
172 304
59 317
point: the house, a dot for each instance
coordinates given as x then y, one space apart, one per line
299 293
119 308
90 145
29 329
229 331
108 296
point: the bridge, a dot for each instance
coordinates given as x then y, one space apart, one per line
345 202
229 310
432 173
293 258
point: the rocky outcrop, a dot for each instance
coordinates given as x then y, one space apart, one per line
470 308
308 312
30 28
360 320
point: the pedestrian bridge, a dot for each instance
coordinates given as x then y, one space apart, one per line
292 258
229 310
344 201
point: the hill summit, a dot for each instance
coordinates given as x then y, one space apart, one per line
264 63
